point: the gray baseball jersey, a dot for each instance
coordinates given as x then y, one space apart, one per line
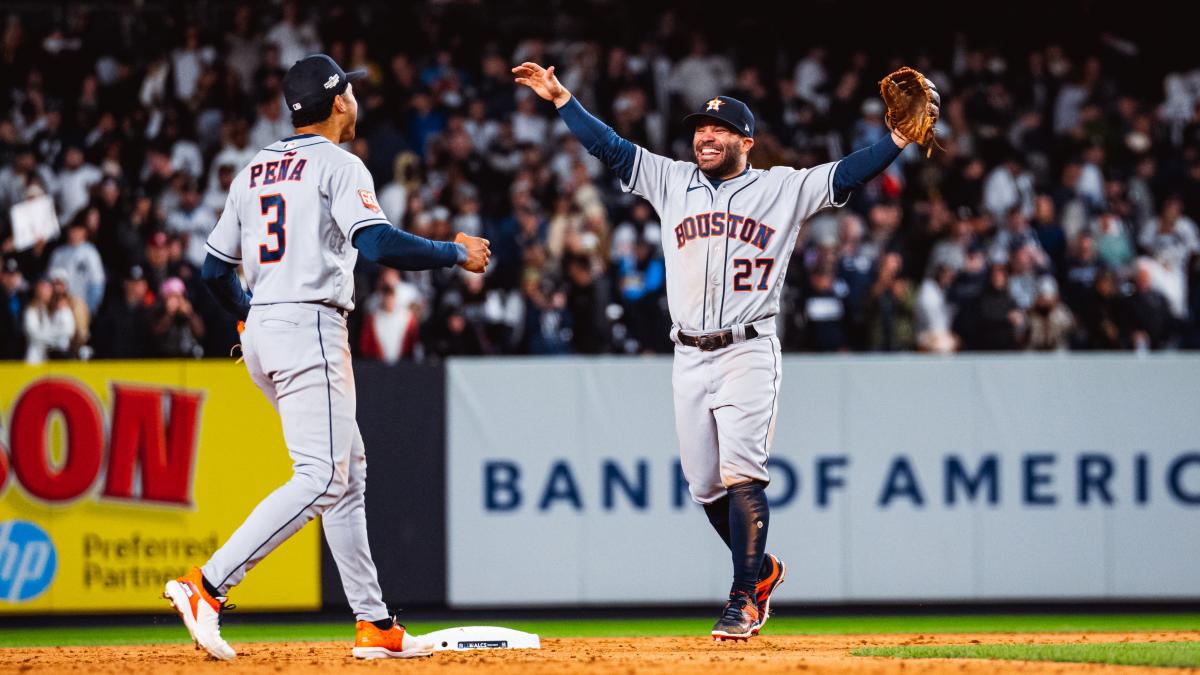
727 248
289 220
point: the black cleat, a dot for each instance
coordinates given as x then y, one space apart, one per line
776 570
739 620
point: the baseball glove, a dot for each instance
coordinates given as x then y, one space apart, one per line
913 105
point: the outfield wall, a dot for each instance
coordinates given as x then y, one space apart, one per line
903 479
527 482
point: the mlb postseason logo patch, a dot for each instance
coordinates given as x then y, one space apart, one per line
368 200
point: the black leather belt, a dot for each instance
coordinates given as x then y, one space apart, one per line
713 341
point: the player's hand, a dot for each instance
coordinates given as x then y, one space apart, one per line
478 252
543 82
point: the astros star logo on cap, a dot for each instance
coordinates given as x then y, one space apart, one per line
715 104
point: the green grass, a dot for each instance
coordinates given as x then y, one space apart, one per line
250 628
1161 654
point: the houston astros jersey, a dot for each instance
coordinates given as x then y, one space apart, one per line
289 220
727 248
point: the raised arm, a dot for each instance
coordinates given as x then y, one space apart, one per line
913 106
859 167
597 137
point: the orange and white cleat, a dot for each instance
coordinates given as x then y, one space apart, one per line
395 642
201 613
765 587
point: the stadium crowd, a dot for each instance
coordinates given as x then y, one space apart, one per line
1060 214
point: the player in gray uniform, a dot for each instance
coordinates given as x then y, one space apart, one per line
296 219
728 233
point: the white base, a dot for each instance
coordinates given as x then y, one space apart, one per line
481 637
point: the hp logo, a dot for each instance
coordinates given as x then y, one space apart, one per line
27 560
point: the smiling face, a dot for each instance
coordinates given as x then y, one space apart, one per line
720 151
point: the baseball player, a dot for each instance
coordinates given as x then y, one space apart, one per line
728 234
296 219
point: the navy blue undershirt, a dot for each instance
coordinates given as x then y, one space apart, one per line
854 171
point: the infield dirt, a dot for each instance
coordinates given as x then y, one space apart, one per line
765 654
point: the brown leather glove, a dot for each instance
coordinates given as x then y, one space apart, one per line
913 105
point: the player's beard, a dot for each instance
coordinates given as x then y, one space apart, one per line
729 161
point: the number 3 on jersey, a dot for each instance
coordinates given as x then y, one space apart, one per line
275 227
745 267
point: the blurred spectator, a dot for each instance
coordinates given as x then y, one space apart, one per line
391 329
78 261
1009 186
82 318
49 324
933 313
123 328
1112 240
1102 314
825 312
13 299
1050 323
1150 323
998 321
75 183
642 282
293 36
191 222
176 328
1017 235
1050 235
890 308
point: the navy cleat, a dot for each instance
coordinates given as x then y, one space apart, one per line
738 620
771 580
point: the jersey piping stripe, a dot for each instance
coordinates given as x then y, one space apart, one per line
832 197
774 395
380 221
725 273
707 250
332 467
637 169
223 256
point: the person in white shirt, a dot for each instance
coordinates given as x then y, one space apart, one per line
1008 185
529 126
75 183
79 262
192 222
699 75
295 39
49 324
271 125
188 62
934 314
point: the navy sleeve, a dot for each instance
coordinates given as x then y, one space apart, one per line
857 168
599 139
400 250
221 279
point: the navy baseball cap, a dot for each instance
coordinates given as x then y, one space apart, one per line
725 109
314 80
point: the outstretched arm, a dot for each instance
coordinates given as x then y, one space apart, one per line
400 250
858 168
597 137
